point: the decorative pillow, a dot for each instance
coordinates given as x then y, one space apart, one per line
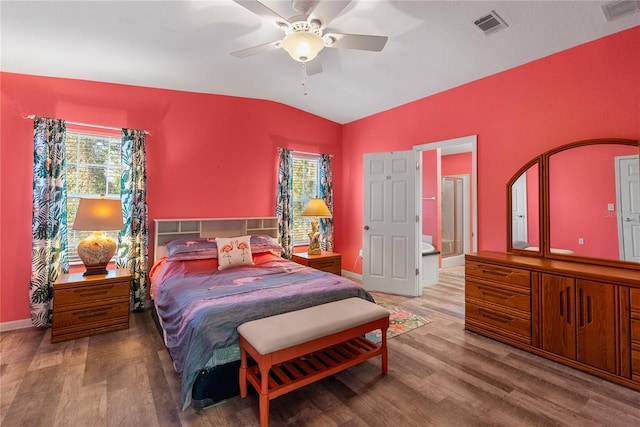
181 246
189 256
260 244
234 252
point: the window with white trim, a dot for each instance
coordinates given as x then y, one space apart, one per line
94 168
305 178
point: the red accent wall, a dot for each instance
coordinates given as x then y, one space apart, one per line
211 155
207 156
589 91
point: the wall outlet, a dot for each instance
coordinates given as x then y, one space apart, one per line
360 253
580 241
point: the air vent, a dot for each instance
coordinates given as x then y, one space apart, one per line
619 8
490 23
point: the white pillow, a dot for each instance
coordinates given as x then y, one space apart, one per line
234 251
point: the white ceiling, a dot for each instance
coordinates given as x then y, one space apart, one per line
185 45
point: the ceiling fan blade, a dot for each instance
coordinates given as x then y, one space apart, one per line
313 67
255 50
327 10
357 41
264 12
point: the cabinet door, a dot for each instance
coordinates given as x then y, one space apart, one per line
596 320
557 318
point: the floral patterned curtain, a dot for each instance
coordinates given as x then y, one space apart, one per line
326 192
133 238
49 216
283 203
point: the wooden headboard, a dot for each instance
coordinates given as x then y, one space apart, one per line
189 228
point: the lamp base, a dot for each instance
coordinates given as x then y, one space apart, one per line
95 270
95 252
314 251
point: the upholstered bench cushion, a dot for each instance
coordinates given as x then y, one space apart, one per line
274 333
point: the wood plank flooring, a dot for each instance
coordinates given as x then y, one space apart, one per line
439 375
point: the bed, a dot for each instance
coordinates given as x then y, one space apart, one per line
211 275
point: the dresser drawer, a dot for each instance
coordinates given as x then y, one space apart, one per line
498 273
331 265
91 294
499 320
89 317
499 293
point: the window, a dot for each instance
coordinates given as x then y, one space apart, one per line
93 168
305 187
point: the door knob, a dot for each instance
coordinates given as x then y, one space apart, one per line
366 227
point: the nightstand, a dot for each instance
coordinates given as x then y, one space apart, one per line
89 305
330 262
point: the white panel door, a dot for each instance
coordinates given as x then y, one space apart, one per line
389 243
519 209
628 180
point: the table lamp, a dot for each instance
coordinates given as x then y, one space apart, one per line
316 208
97 215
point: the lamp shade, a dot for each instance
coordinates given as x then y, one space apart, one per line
302 46
318 208
98 215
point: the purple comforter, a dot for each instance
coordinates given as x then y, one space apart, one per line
201 312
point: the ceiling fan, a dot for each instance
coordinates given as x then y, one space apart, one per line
305 34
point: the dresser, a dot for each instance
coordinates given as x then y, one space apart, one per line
89 305
582 315
330 262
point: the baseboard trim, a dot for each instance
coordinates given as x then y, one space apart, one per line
15 324
352 275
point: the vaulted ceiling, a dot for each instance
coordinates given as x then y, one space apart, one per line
186 45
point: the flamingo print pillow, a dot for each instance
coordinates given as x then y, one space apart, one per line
234 252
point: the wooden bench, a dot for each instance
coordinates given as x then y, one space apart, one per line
300 347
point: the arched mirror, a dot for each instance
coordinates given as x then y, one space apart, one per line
524 205
588 196
593 201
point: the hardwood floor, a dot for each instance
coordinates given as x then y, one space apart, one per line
439 375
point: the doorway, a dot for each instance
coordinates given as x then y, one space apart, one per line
455 220
448 201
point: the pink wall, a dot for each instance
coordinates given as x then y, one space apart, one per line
207 156
430 188
590 91
578 199
212 155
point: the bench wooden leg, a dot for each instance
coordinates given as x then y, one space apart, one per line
243 372
264 394
385 363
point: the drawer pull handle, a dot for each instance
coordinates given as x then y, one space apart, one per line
495 316
92 315
496 293
85 294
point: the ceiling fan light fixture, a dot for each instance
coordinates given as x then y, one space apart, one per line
302 46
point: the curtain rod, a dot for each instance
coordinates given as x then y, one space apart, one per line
32 116
303 152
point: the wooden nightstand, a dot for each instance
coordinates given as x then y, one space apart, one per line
89 305
330 262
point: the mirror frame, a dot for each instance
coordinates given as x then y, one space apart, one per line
543 194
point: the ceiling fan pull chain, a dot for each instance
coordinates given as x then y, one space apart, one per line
304 79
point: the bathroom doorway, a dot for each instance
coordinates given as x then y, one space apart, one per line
455 219
455 158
